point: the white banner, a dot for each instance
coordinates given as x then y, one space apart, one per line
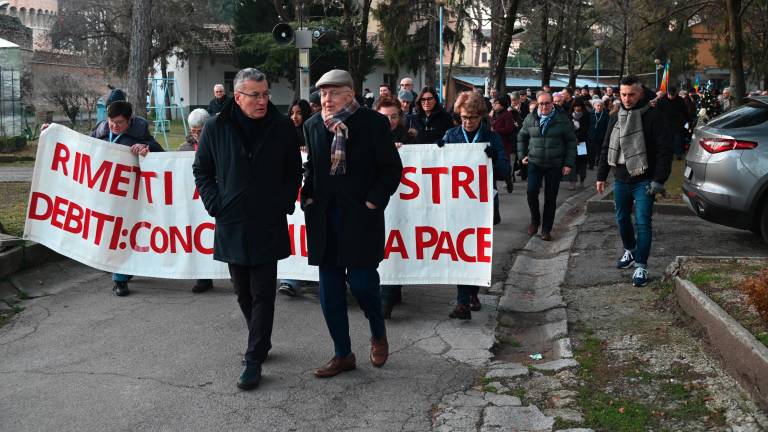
99 204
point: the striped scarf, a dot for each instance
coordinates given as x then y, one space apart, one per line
627 142
335 125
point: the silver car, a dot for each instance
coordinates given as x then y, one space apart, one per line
726 169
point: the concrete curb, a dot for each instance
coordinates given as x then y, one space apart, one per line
742 355
25 256
532 309
745 358
603 204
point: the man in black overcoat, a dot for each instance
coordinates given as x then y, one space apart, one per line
248 171
352 169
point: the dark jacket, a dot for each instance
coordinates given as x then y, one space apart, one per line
215 106
137 133
430 129
501 168
676 113
373 174
400 134
658 146
598 124
556 148
190 144
583 130
249 185
507 125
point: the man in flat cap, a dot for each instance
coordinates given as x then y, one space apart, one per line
352 169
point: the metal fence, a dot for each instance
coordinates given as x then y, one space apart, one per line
10 103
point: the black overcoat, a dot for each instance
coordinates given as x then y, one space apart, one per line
249 187
373 174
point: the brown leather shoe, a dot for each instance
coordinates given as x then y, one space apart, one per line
379 351
532 230
336 366
546 236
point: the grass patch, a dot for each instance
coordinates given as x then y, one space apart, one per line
490 389
13 206
705 277
603 412
763 338
674 184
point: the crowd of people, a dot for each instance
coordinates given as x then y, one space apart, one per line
248 166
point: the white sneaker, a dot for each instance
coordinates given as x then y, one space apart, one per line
626 260
640 277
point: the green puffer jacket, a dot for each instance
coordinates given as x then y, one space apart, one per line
556 148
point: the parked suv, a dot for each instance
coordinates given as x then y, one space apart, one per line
726 169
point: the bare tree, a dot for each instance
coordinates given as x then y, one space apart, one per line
69 94
498 78
139 58
735 12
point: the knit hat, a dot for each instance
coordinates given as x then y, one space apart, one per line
314 98
116 95
405 96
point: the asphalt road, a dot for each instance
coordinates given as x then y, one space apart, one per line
81 359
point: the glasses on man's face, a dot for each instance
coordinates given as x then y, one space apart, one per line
332 94
545 103
427 99
257 95
470 119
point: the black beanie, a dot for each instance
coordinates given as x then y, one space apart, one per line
115 95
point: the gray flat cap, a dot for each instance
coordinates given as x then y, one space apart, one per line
336 77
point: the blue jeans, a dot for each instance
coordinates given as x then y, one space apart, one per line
551 179
117 277
627 196
364 284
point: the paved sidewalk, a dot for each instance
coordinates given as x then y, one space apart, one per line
16 173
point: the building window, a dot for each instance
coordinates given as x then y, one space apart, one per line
484 57
229 82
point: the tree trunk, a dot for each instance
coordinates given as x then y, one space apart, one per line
735 49
139 58
546 70
499 72
167 86
624 47
362 47
497 14
456 39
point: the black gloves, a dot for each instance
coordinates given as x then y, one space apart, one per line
440 143
491 153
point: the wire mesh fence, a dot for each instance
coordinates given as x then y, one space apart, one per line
10 103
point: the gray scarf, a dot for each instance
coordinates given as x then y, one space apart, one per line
628 142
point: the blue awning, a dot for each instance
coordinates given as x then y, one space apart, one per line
524 82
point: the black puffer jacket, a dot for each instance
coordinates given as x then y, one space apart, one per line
137 133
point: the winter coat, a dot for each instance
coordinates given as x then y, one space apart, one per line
248 185
583 130
373 170
137 133
555 149
215 106
430 129
658 147
676 113
598 124
501 168
507 124
189 144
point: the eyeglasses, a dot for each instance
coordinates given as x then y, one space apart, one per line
256 95
470 118
545 103
333 94
427 99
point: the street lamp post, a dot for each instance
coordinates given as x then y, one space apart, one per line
440 89
598 42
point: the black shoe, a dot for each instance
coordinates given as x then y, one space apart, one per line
120 289
202 285
287 290
397 296
250 377
461 312
386 310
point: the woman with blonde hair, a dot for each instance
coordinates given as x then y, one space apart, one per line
471 108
